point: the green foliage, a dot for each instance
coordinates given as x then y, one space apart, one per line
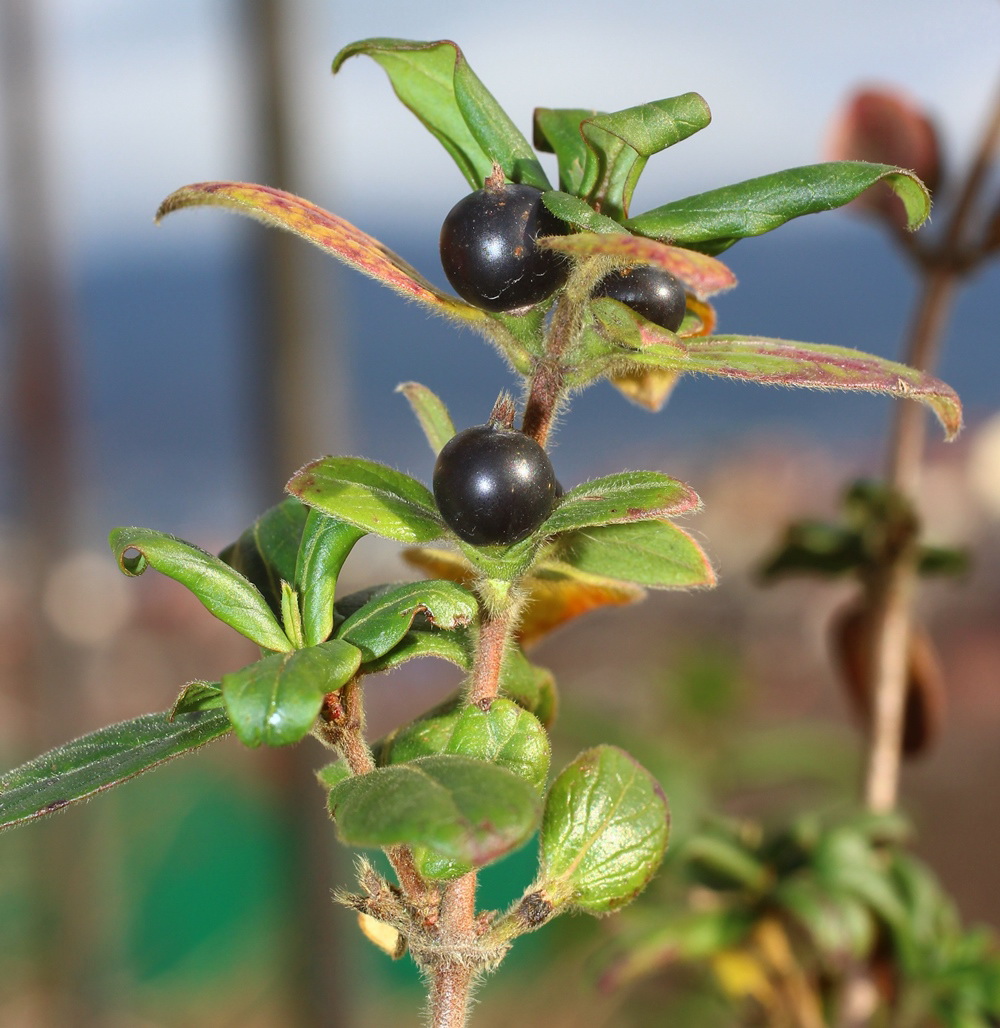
371 496
875 521
225 592
276 700
461 809
604 832
98 761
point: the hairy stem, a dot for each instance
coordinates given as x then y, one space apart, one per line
895 585
494 634
451 979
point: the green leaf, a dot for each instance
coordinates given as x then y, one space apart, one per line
333 235
724 864
816 547
333 774
628 496
604 832
453 646
505 735
431 413
382 622
804 365
619 145
265 553
529 686
100 760
371 496
326 543
656 554
557 130
276 700
576 211
715 220
223 591
840 926
435 82
197 696
461 809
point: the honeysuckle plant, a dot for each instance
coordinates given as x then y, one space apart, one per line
469 781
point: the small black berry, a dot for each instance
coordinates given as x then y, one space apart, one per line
650 291
493 485
489 253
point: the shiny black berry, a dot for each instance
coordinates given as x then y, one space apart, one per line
650 291
493 485
489 253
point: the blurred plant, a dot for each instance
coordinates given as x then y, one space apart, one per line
571 288
782 919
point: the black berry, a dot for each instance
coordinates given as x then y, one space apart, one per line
489 253
650 291
493 485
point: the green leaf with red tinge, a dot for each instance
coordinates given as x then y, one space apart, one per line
623 497
703 275
806 365
461 809
434 80
654 554
371 496
332 234
715 220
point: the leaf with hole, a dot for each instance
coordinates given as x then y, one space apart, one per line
222 590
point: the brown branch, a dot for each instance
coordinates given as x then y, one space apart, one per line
491 645
892 589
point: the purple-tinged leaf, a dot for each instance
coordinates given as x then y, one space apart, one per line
805 365
703 275
617 499
332 234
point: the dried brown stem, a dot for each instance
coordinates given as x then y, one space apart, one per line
894 586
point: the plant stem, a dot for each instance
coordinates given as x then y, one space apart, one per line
494 634
547 384
452 979
894 586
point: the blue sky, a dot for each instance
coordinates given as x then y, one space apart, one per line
141 102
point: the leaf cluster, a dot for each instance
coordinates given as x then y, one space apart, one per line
805 906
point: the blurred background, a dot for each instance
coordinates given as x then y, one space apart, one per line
174 377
